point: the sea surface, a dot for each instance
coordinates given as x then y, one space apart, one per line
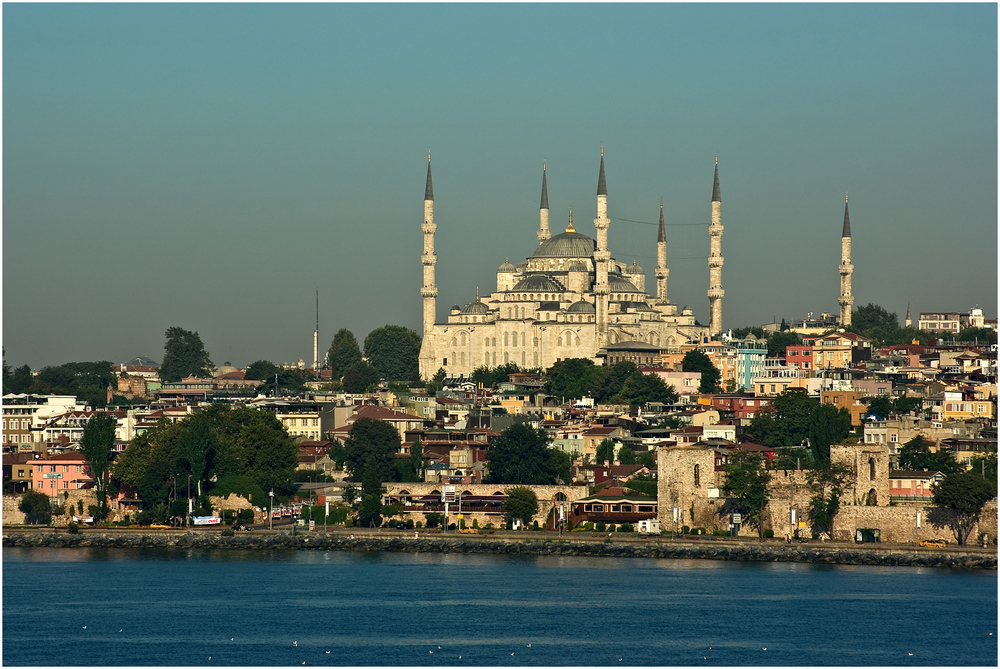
198 607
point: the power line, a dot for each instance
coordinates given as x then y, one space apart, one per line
669 225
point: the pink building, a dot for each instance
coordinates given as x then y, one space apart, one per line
800 357
69 471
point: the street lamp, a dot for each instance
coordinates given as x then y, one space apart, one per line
270 511
190 508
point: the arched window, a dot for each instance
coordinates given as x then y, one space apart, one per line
486 359
524 339
535 341
871 469
494 343
559 341
463 357
697 475
560 497
454 342
522 358
486 342
462 338
494 358
505 341
506 357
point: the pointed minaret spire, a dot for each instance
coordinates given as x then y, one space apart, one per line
909 321
661 236
569 226
716 191
429 189
543 211
661 261
602 186
477 293
846 298
847 219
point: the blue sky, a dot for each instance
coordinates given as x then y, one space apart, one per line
210 166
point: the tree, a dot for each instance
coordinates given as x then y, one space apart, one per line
613 380
359 377
393 351
777 342
605 452
97 445
828 425
520 502
437 381
640 388
915 455
289 382
646 460
696 361
965 494
36 507
880 406
626 455
562 463
785 422
905 404
88 381
371 451
520 455
19 381
828 485
184 355
573 378
370 511
755 330
872 316
197 446
261 370
344 352
746 484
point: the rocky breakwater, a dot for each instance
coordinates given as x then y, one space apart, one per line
652 548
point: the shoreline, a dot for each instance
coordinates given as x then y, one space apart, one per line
567 545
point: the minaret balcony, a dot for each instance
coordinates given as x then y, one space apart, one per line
715 229
716 293
846 268
428 291
715 261
428 258
428 227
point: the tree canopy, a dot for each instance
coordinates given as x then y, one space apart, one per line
97 446
261 370
696 361
370 452
965 494
184 355
746 483
882 326
359 377
393 351
344 352
490 378
621 383
520 455
915 455
828 484
88 381
520 502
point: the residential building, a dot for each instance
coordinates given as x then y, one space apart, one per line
68 471
940 322
25 414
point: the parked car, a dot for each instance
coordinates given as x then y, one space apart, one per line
933 543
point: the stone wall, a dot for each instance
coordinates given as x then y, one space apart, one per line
236 503
11 515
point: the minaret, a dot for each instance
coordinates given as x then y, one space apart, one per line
846 270
429 290
316 337
715 292
661 261
909 321
543 211
601 257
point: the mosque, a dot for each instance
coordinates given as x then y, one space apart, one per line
570 299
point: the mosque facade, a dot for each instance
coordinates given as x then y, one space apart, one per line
570 299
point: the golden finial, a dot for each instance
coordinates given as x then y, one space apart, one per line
477 293
845 196
543 165
716 159
602 150
570 228
661 204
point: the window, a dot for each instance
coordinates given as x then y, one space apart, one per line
697 475
894 438
315 422
79 469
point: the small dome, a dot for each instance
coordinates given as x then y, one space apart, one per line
477 308
581 307
455 307
619 284
637 306
507 267
566 245
226 368
634 269
537 283
578 266
750 337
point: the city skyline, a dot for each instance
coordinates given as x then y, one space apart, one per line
210 167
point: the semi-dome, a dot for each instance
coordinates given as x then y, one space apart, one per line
578 267
619 284
581 307
566 245
537 283
476 308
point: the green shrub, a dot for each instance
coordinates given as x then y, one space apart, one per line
475 523
685 529
489 526
600 526
625 527
588 526
420 525
73 528
698 530
36 507
611 527
228 532
245 516
534 525
720 533
768 534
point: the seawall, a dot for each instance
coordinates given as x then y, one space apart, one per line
648 548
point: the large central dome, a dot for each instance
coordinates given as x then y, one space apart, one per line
566 245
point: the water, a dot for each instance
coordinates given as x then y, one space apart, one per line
182 607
